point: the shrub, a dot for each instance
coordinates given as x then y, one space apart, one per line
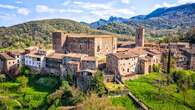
96 103
3 106
22 80
24 70
2 77
156 68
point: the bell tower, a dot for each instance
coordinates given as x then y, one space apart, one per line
139 39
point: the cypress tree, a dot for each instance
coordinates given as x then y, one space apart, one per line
169 61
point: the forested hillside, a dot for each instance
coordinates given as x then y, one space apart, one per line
39 32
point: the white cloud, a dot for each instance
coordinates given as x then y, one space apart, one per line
166 4
23 11
46 9
8 6
125 1
91 6
66 2
19 2
20 10
185 1
104 10
6 16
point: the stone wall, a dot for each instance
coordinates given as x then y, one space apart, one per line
129 65
92 65
112 64
139 37
58 40
91 45
104 46
10 66
192 62
79 45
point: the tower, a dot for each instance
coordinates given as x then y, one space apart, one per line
139 39
58 40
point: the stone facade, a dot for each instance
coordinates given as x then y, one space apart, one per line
84 79
58 39
89 63
190 57
139 39
177 45
8 64
17 56
182 53
135 61
54 64
91 45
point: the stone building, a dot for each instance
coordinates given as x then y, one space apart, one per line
91 45
181 52
136 61
189 54
54 64
139 38
89 63
123 64
17 56
8 64
177 45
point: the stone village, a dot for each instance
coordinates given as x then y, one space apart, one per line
83 55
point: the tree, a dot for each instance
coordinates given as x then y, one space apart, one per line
24 70
169 61
3 106
156 68
97 84
190 35
183 80
69 78
65 96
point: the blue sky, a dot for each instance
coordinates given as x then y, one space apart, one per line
18 11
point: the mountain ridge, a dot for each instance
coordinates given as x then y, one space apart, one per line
161 18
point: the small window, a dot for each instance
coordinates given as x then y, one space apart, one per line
38 59
98 48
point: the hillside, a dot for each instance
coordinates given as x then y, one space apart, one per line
173 18
168 18
39 32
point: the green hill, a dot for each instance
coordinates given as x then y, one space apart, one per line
39 32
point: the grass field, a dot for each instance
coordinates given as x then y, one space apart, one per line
146 89
123 101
